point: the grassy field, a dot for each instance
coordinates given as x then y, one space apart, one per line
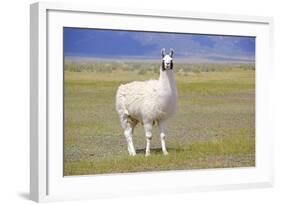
214 126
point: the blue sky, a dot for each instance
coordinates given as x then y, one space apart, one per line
147 45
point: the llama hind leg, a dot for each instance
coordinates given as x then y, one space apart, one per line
128 133
162 128
148 135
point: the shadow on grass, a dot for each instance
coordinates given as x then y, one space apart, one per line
159 150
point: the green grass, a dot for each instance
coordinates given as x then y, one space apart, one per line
215 153
214 126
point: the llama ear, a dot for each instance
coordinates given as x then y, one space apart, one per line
163 52
171 53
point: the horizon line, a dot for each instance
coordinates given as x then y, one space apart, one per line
194 59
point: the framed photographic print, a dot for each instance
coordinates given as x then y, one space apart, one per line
127 102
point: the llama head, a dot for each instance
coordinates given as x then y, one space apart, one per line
167 60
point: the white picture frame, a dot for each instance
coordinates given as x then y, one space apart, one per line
46 177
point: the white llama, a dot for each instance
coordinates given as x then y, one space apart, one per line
148 102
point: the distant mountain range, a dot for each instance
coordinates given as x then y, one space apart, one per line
83 59
135 46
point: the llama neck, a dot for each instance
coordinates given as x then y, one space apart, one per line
167 81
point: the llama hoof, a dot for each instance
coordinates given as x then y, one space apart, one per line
132 154
165 153
147 154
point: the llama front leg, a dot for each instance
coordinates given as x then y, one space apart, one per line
129 137
162 128
148 135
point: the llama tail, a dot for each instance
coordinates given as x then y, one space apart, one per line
120 101
121 108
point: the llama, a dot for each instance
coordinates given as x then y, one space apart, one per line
148 102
